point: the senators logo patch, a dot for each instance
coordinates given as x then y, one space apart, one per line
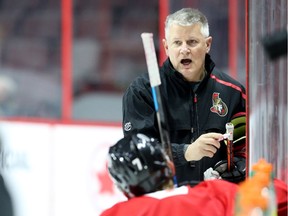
218 105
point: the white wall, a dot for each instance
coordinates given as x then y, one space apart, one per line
56 170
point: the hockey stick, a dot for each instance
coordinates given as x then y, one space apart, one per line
229 130
155 82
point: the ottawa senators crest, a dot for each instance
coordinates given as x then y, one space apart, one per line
219 106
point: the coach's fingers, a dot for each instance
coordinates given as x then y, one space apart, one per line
205 145
212 139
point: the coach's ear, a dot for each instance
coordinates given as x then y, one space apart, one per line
165 45
208 41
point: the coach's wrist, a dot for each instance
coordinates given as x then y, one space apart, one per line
187 154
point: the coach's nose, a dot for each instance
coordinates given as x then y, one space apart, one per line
185 50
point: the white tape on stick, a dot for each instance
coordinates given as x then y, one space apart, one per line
151 59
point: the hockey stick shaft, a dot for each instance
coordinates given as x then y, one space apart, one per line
229 130
162 124
155 82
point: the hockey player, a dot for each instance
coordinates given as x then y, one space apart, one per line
141 169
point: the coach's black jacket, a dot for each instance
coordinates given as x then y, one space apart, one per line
191 109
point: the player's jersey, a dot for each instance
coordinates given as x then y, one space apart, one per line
215 197
281 191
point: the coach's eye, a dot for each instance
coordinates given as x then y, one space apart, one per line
178 43
192 42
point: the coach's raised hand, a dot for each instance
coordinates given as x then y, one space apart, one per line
205 146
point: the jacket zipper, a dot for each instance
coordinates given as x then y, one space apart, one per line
194 114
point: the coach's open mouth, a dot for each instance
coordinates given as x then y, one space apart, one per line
186 61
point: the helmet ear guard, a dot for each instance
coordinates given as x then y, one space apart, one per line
138 165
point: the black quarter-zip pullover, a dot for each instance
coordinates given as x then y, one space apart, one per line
192 109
